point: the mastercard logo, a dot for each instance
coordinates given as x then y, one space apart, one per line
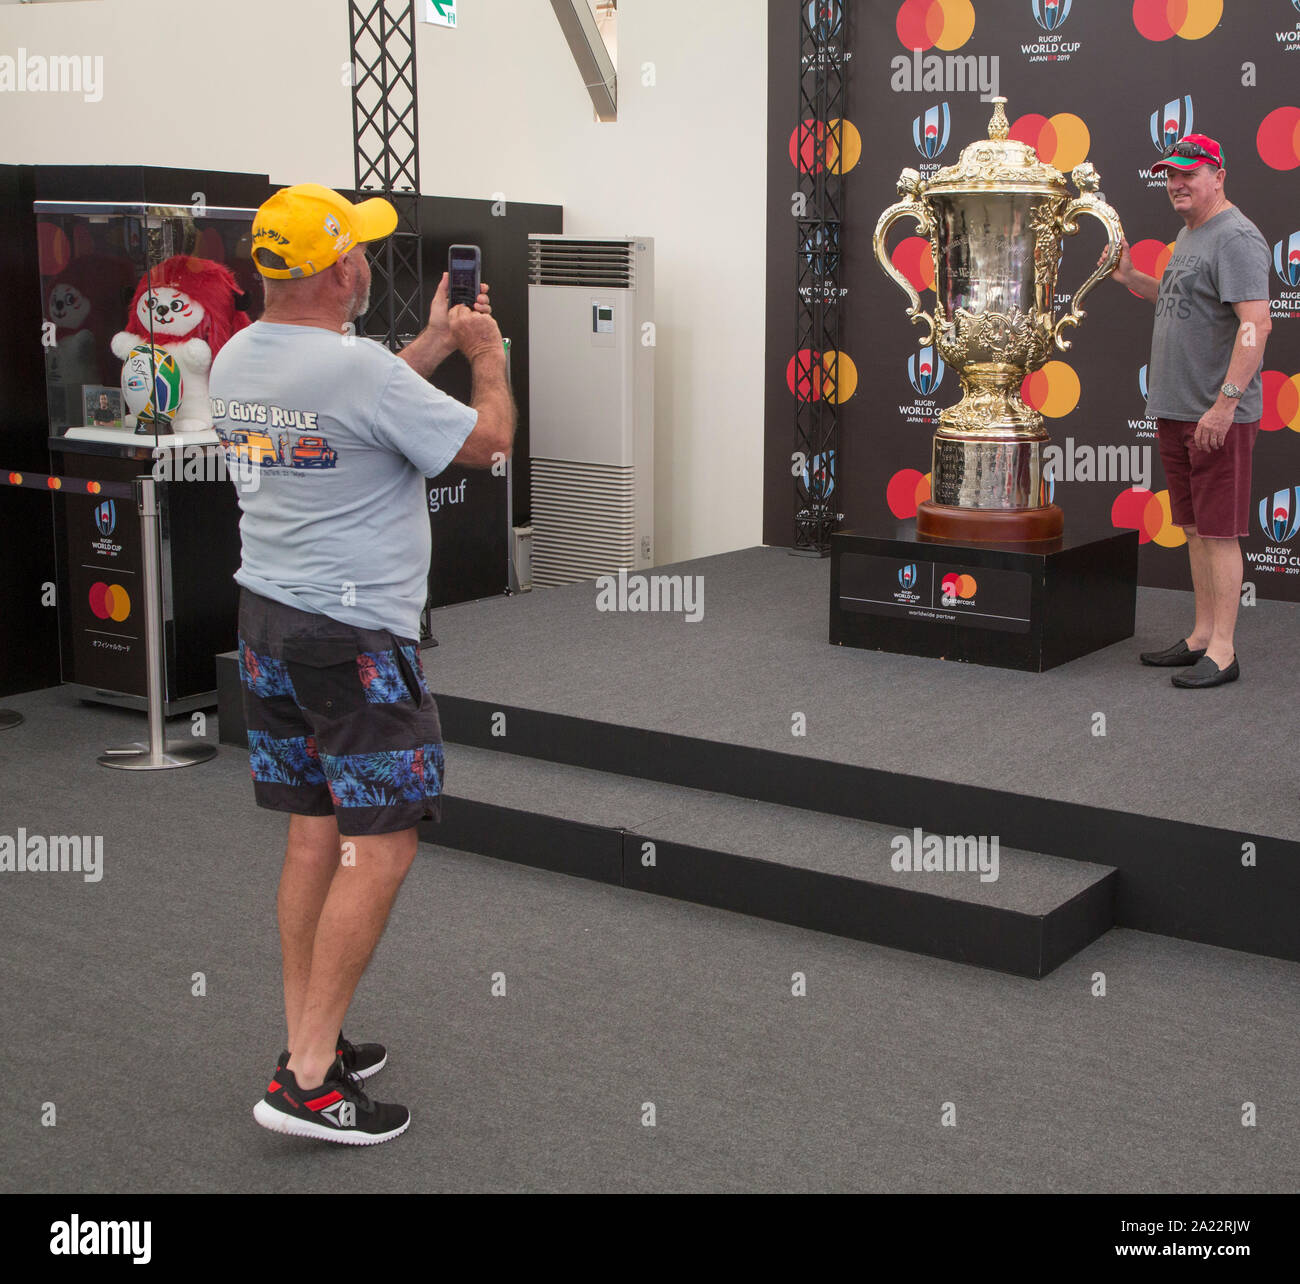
820 377
913 258
907 489
1278 139
834 146
1164 19
1062 140
1052 391
1281 401
954 585
927 24
52 248
109 602
1137 509
1151 257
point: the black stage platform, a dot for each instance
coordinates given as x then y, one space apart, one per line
646 750
1027 606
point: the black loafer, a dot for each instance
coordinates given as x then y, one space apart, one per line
1205 673
1172 656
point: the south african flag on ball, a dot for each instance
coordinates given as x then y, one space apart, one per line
151 384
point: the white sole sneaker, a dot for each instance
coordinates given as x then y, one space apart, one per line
278 1121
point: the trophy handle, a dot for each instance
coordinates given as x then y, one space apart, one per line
909 182
1090 202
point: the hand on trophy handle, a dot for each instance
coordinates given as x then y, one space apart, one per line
1115 250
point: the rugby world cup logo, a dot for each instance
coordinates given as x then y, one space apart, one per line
1171 122
819 476
1050 14
1279 515
824 18
930 131
1142 382
106 517
907 576
925 370
1286 256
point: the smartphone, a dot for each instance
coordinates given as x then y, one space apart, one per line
464 264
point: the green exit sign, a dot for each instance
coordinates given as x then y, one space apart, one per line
439 13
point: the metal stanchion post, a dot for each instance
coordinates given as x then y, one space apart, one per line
9 718
157 755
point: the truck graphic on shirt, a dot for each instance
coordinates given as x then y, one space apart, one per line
254 447
259 448
313 452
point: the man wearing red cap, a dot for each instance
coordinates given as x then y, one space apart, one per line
1205 393
343 732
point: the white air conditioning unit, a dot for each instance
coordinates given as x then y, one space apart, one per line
591 405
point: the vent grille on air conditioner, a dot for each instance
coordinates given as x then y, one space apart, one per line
584 520
609 265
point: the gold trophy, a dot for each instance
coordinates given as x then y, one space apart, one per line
995 222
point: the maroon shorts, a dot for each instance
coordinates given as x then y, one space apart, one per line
1208 489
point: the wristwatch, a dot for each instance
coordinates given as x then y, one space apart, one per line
1231 391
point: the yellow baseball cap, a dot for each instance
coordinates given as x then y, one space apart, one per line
309 226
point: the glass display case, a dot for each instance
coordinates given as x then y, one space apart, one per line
136 300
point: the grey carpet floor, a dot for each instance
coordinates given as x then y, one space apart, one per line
760 654
614 999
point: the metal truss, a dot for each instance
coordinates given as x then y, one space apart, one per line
386 149
818 259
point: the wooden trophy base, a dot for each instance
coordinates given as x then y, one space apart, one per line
989 525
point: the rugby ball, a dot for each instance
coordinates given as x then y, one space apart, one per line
151 385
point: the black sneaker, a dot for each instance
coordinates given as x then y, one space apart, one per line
336 1111
360 1059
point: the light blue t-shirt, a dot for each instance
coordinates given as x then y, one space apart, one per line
341 434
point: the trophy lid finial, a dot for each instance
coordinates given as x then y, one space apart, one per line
999 126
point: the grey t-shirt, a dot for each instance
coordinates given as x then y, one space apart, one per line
342 435
1224 261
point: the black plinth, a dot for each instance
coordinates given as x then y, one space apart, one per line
1016 606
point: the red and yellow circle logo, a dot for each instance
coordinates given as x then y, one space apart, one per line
813 376
816 145
1281 401
1138 509
1164 19
954 585
1061 140
52 249
906 489
1052 391
913 259
1278 139
1151 257
925 24
109 601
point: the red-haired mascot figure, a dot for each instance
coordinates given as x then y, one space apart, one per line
186 307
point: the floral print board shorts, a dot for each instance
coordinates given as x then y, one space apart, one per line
340 720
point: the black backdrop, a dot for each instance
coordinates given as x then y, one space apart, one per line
1093 82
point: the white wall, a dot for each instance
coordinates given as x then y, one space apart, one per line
258 85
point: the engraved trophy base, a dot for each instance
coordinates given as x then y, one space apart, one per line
987 487
989 525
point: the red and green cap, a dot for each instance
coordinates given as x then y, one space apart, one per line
1190 151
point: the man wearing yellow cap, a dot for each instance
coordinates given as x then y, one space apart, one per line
343 733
